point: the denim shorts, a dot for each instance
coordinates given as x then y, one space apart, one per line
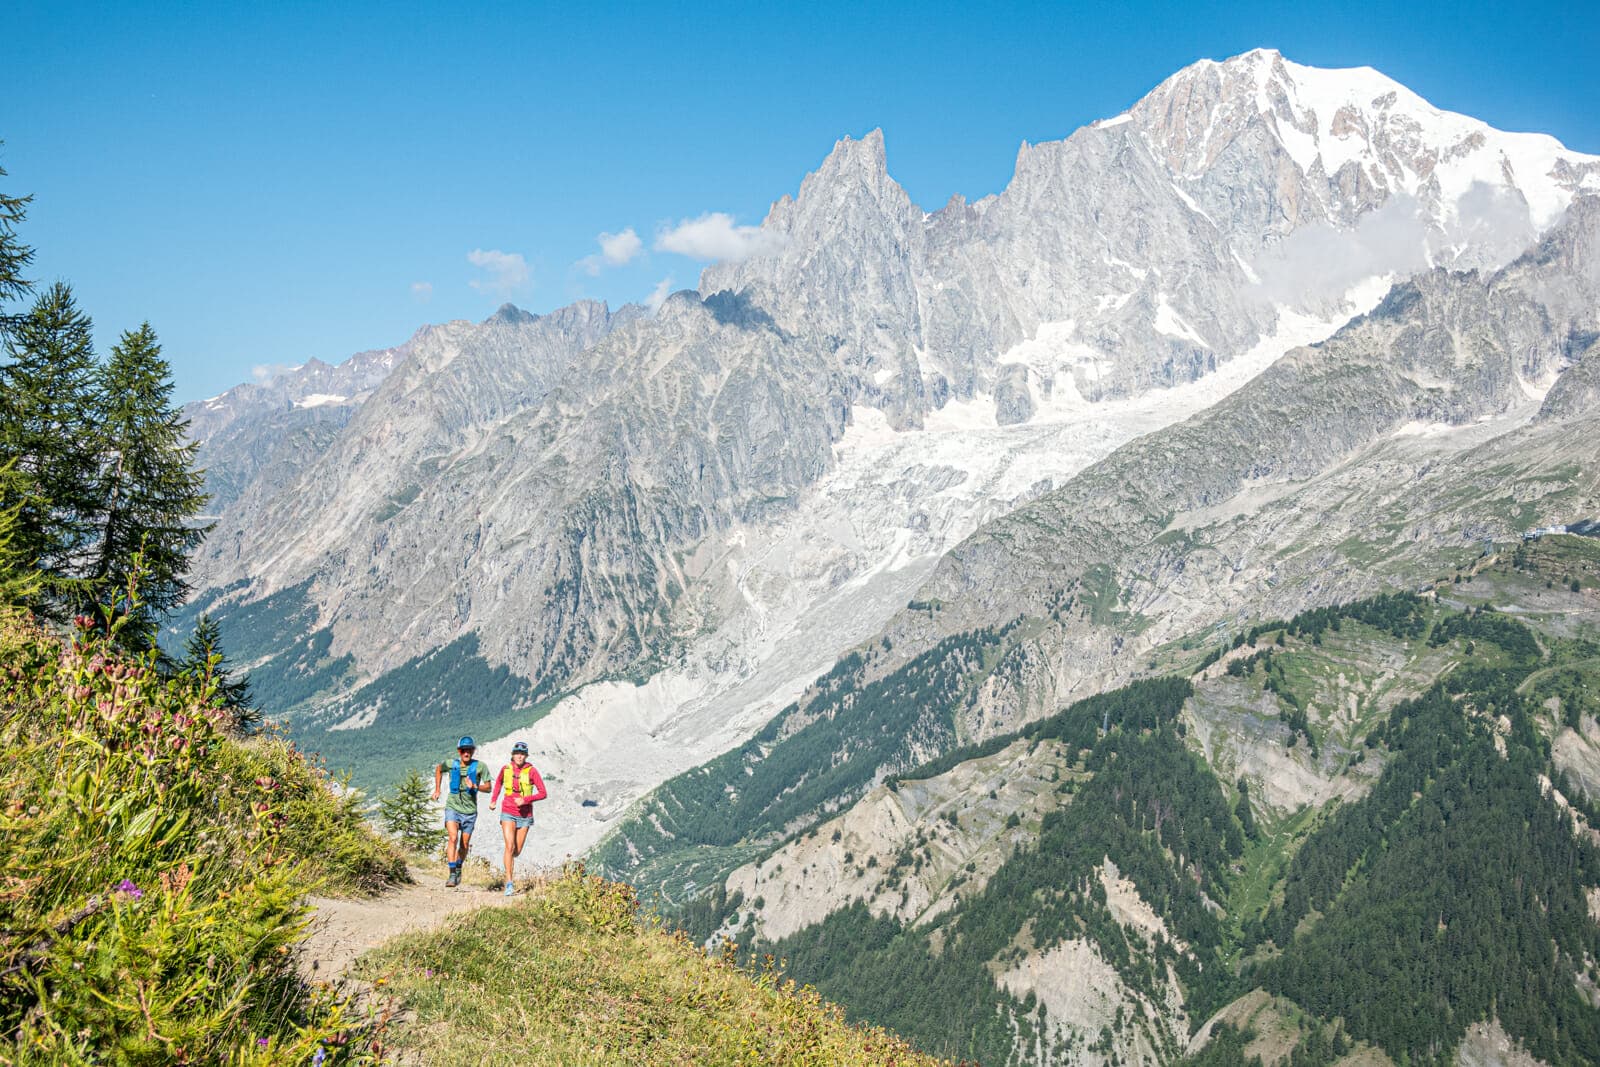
467 821
521 822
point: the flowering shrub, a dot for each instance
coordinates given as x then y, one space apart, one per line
156 870
591 902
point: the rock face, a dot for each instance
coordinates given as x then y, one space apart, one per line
1374 460
907 852
539 481
268 431
1447 361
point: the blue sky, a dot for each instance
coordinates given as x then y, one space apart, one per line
266 183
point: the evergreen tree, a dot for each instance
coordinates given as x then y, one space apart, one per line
18 581
406 814
14 255
150 492
204 660
48 398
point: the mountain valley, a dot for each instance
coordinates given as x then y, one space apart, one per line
1104 622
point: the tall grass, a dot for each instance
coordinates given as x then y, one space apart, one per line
155 870
577 975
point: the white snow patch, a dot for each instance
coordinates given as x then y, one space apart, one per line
1189 200
1109 302
975 413
1249 273
317 400
1537 389
1171 323
1106 124
1140 273
1423 429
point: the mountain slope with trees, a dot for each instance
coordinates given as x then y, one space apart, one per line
1435 886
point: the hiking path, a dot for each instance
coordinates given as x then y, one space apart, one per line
342 929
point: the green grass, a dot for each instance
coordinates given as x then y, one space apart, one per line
1263 864
156 868
577 974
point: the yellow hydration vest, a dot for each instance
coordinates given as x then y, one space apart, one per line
526 783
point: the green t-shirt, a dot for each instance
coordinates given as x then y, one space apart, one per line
466 801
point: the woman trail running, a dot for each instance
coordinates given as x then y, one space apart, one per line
520 782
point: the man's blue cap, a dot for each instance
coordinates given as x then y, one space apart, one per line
467 742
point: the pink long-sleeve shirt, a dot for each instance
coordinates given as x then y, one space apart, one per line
515 802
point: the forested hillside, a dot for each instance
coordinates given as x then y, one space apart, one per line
1425 886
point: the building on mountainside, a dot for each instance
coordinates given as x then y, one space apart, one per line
1542 531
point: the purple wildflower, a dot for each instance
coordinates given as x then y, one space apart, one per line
317 1057
262 1042
129 890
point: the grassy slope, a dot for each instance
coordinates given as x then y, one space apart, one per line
156 868
576 974
157 872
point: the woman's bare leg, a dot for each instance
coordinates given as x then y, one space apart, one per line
513 846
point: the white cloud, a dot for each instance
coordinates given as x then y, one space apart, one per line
658 295
1490 226
714 236
422 292
615 250
1492 222
507 271
265 372
1318 262
618 248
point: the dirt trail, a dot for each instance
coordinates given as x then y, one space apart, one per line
341 930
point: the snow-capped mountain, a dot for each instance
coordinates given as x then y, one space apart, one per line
682 519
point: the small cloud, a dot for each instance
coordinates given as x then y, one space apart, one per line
658 295
507 271
714 236
1319 262
616 249
422 292
264 373
1490 227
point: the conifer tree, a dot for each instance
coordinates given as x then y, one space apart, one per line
406 814
48 398
150 492
205 661
14 255
18 581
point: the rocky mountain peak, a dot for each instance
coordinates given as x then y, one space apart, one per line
1346 141
860 158
510 313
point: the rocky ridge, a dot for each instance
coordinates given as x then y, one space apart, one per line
720 498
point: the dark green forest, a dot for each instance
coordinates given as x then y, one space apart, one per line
1451 892
824 751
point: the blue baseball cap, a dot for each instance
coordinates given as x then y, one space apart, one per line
520 746
466 742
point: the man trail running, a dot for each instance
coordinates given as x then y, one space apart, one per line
468 778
